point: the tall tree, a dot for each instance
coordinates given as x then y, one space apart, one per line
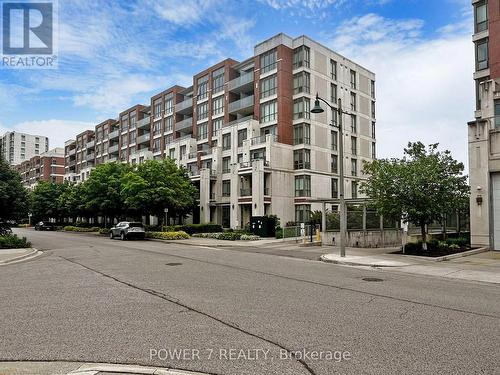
419 188
70 202
14 198
45 200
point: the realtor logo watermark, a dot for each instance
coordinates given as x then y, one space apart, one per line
29 34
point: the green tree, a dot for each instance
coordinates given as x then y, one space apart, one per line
70 201
14 198
158 184
45 201
419 188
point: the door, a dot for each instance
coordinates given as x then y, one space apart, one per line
495 194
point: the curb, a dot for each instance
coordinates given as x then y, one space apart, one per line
462 255
347 263
33 254
95 368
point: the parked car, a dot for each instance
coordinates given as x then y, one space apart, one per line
45 225
5 229
128 230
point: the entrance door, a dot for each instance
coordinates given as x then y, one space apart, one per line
495 192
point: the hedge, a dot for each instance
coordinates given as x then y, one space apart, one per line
179 235
104 231
11 241
70 228
228 236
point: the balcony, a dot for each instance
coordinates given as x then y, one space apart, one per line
145 138
112 158
245 192
90 157
114 134
184 107
186 124
193 172
91 144
243 83
144 123
243 106
113 149
72 151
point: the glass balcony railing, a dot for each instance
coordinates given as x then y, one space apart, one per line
144 123
185 105
245 103
245 192
184 124
113 149
114 134
145 138
244 79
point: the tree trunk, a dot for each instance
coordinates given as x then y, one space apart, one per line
424 237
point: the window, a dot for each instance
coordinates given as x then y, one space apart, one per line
302 186
226 142
168 139
334 140
373 89
242 135
202 111
133 121
240 158
37 139
481 16
373 109
333 69
373 129
333 93
36 145
302 213
354 189
225 164
157 127
353 101
156 145
259 154
301 57
268 86
216 126
302 159
23 144
23 137
301 134
226 188
353 79
354 146
482 55
218 106
335 164
374 150
37 152
354 167
301 82
301 108
335 188
202 88
133 136
497 113
182 151
202 131
218 80
169 123
268 111
157 109
268 61
124 139
171 153
354 127
169 105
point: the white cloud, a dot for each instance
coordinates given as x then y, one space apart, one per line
182 12
58 131
309 4
424 87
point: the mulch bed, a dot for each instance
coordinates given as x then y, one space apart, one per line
432 253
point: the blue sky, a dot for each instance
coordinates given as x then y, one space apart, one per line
114 54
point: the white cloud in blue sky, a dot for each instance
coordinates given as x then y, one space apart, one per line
114 54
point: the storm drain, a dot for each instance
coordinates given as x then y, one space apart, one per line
372 279
173 264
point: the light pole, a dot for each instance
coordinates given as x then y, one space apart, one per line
342 208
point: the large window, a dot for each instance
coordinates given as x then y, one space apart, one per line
497 113
301 57
268 111
156 145
353 79
354 145
226 142
333 69
301 134
202 87
169 123
217 126
268 61
202 111
354 167
218 105
335 164
202 131
354 125
482 54
303 213
302 159
268 86
353 101
481 16
354 189
334 140
333 93
302 186
301 82
225 164
218 80
301 108
157 108
335 188
169 105
157 127
242 135
226 188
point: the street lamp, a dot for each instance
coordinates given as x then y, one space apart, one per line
343 223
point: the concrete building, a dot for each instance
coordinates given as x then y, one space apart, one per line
48 166
17 147
484 131
245 133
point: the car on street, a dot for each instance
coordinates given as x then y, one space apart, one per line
127 230
45 225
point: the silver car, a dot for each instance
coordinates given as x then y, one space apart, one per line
127 229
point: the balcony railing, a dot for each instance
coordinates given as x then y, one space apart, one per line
194 172
145 138
262 139
301 165
91 144
185 105
72 151
114 134
246 164
184 124
113 149
244 103
245 192
90 157
192 155
144 123
242 80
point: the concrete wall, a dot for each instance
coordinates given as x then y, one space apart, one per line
387 238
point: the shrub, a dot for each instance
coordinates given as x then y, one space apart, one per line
249 237
179 235
228 236
11 241
460 241
70 228
279 232
104 231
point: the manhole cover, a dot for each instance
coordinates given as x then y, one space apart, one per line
372 279
173 264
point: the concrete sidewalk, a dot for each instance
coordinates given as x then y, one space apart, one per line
9 256
482 267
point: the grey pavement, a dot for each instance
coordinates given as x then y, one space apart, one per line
91 299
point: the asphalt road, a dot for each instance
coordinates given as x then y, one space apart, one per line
92 299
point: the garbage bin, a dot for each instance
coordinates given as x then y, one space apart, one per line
263 226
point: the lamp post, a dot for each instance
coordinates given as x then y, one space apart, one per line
342 208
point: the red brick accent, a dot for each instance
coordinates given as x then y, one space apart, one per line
494 40
285 95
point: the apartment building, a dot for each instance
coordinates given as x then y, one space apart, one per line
48 166
484 130
245 133
17 147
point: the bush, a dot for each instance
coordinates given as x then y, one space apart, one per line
228 236
179 235
279 232
104 231
11 241
70 228
249 237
